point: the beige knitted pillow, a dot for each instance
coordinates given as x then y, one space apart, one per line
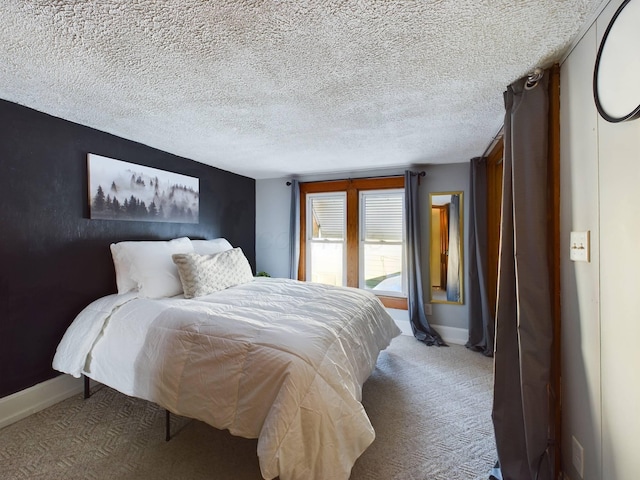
204 274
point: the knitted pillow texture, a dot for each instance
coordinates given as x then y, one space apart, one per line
204 274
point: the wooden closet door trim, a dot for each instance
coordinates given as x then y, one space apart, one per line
494 206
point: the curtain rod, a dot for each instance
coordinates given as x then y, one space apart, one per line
493 142
532 81
533 78
422 173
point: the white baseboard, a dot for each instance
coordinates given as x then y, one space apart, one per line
31 400
457 336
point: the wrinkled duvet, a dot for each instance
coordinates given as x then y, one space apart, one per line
278 360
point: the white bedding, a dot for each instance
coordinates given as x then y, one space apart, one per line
278 360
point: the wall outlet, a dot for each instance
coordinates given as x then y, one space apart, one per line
577 456
427 309
580 250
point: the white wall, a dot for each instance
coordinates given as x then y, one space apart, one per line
272 226
579 281
600 170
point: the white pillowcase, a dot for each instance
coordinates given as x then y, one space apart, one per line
119 253
210 247
204 274
148 267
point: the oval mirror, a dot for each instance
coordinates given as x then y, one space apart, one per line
616 76
445 265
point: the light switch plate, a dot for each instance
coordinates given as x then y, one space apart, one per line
577 456
580 248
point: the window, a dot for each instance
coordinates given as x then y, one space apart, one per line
352 233
381 241
326 248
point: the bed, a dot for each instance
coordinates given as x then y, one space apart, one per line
279 360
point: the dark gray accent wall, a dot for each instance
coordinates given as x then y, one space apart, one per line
54 260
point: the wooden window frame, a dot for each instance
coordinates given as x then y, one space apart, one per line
352 187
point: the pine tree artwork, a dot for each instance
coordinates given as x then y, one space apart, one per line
126 191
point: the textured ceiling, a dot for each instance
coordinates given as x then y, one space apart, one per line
279 87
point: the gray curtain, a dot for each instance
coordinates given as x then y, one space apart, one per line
294 230
523 314
413 257
481 319
453 260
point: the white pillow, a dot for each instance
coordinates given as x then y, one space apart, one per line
147 266
204 274
119 253
209 247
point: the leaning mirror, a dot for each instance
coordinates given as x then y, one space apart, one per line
446 247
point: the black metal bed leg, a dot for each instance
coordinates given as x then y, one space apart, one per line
167 424
87 390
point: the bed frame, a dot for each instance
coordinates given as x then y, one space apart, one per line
167 418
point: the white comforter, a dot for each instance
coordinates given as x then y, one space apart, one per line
278 360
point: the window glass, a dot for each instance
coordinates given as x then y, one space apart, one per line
381 241
326 226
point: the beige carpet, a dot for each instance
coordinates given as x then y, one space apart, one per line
430 408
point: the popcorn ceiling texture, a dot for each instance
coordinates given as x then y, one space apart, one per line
279 87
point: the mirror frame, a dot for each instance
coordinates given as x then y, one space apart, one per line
616 62
460 301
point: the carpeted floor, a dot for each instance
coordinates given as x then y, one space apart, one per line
430 408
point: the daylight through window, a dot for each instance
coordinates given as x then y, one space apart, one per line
352 234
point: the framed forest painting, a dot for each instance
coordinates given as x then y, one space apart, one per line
126 191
